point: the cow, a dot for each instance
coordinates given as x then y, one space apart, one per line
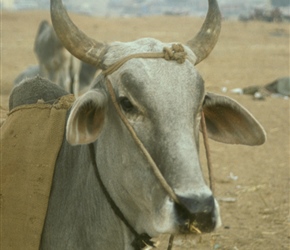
55 62
81 74
104 194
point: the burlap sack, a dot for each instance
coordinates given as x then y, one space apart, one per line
30 141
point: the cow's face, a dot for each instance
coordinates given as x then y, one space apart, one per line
163 101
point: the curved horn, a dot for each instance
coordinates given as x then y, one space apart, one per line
73 39
203 43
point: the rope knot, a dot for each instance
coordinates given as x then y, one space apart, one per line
176 52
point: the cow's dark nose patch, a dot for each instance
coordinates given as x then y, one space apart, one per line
196 214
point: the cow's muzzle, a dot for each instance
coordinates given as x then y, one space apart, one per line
196 214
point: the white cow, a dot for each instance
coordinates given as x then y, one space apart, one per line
104 193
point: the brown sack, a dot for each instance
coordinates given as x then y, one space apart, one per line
31 138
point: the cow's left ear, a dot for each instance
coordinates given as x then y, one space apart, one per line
86 118
229 122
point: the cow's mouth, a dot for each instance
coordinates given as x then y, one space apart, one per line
197 222
192 227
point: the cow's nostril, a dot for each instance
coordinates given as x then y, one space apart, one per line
196 214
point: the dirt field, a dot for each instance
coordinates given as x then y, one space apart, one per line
254 179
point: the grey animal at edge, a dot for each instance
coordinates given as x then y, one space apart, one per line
163 101
55 62
280 86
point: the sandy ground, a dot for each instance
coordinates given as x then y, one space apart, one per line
247 54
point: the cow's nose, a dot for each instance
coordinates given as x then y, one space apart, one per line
196 214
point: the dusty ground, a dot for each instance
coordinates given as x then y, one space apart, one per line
246 54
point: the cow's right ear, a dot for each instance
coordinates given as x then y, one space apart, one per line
227 121
87 118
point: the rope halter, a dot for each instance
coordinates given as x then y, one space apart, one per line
176 53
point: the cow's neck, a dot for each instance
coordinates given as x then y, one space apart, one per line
79 215
140 240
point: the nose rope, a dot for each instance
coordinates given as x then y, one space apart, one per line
178 54
153 165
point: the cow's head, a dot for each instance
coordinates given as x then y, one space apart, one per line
163 101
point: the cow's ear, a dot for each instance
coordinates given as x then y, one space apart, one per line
228 122
86 118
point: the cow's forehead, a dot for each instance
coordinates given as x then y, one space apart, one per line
160 85
118 50
156 82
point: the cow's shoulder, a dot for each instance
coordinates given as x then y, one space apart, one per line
32 90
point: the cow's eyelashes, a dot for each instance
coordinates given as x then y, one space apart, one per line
126 105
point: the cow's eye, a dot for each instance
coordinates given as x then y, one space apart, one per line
126 105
